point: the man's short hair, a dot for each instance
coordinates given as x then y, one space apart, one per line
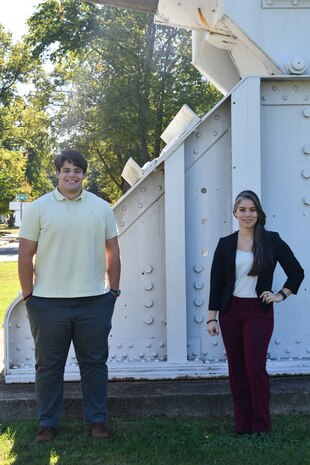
71 156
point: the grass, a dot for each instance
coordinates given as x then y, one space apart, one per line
160 441
9 286
4 229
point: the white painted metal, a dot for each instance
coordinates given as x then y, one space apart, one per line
243 37
257 137
170 221
175 263
246 138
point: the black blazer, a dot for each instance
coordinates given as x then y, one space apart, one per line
223 271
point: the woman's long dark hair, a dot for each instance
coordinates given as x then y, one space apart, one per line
262 249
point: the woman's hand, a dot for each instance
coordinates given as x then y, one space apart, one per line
213 328
268 297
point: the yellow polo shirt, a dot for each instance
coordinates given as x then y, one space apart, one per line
71 257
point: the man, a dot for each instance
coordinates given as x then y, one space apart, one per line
73 235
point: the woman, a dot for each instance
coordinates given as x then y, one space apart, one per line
241 283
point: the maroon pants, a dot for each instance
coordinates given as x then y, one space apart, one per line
246 329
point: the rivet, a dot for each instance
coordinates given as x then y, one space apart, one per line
28 336
214 133
196 152
141 355
140 205
295 88
130 345
125 355
215 343
277 341
306 173
295 2
148 320
155 354
113 355
18 325
148 269
203 190
307 112
198 285
122 223
274 88
216 117
204 252
204 221
307 200
198 302
198 268
198 135
284 97
198 319
148 303
119 345
159 188
263 97
148 286
148 345
161 344
298 341
18 348
28 357
306 149
306 97
124 207
142 189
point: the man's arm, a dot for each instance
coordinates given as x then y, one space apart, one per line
113 262
27 250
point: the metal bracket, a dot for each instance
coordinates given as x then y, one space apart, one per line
286 4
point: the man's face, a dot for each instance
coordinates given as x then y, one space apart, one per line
70 180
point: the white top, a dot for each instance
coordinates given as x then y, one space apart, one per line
244 284
71 236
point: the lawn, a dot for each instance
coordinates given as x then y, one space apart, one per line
5 230
9 286
160 441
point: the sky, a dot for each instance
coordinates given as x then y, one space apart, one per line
14 13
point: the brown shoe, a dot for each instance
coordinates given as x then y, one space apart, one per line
45 434
99 431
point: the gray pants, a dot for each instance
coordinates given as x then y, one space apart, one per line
54 324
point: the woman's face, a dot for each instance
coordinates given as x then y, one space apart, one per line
246 214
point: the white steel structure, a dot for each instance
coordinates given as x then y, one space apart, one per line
257 137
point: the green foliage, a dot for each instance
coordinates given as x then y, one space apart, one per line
119 80
9 286
12 179
25 142
160 441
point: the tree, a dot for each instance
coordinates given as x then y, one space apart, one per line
23 124
120 79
